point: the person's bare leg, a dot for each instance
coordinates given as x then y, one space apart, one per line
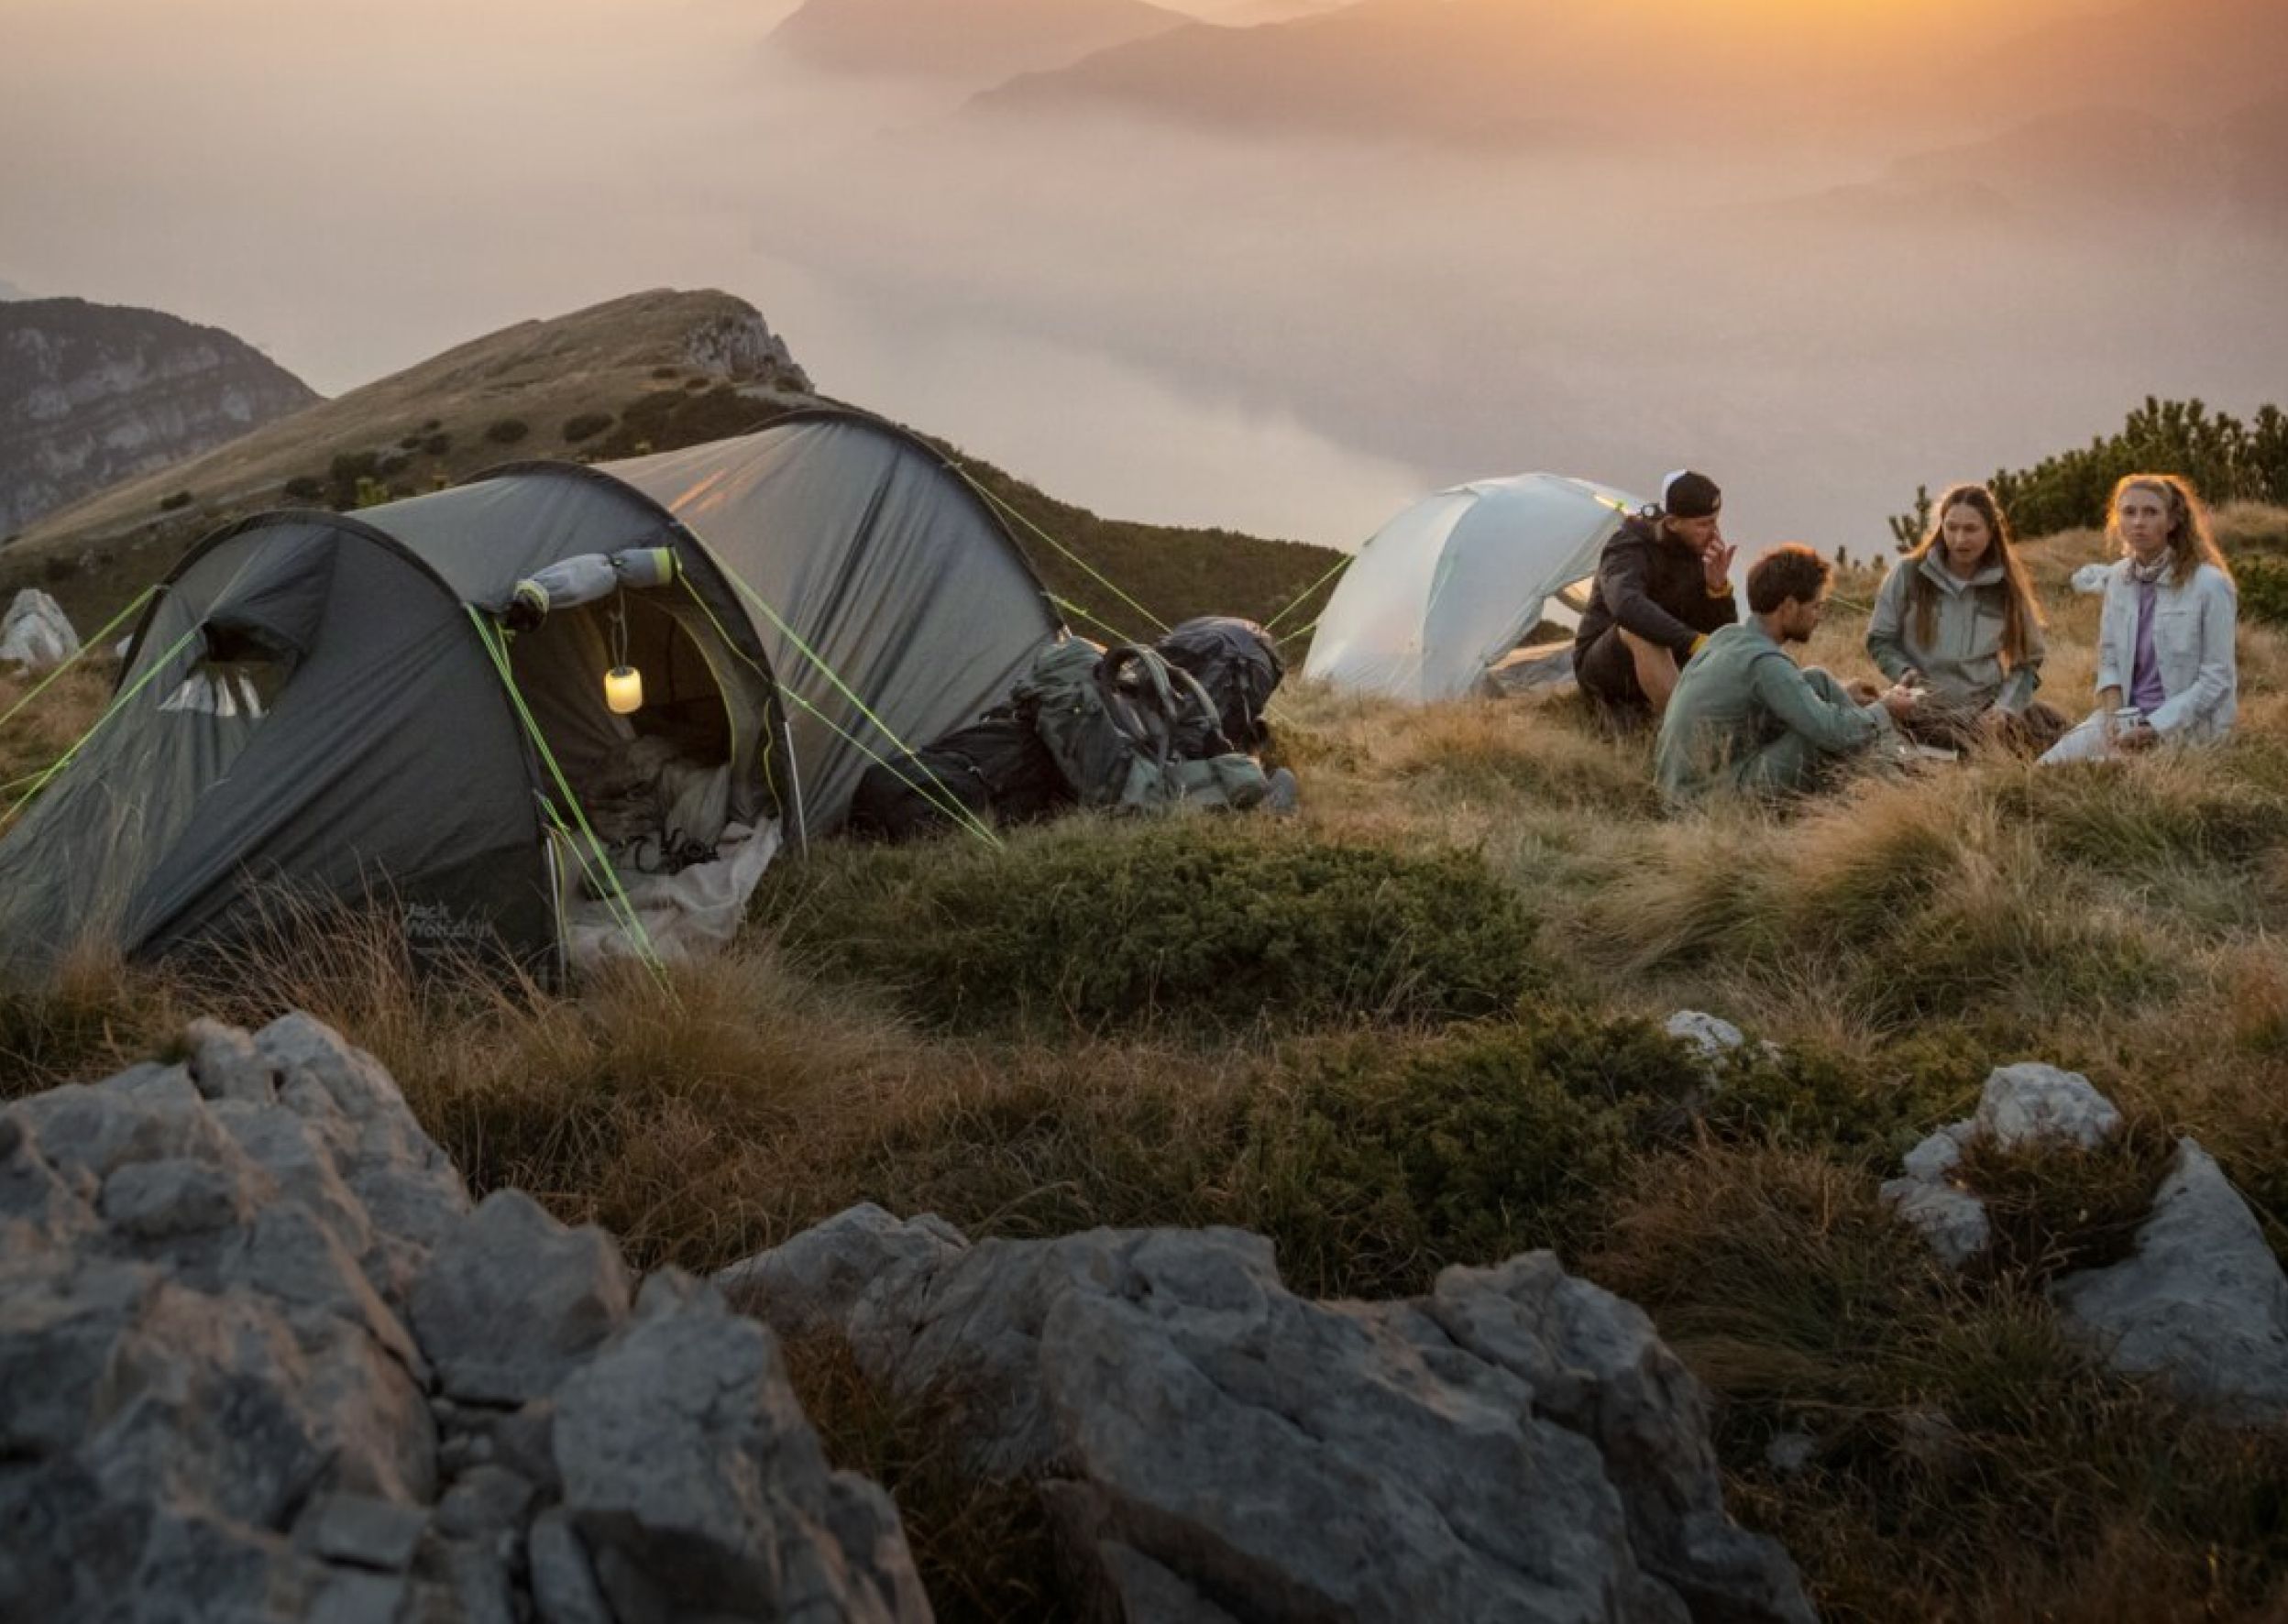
1656 671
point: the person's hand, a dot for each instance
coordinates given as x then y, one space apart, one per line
2137 740
1716 559
1901 700
1862 691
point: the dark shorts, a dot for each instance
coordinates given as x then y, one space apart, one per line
1607 673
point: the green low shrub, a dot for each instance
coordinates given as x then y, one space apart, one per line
2263 589
169 504
507 430
305 487
1373 1162
586 426
1199 923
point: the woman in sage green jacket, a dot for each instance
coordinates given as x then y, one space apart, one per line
1957 618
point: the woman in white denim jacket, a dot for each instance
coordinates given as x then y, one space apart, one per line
2165 636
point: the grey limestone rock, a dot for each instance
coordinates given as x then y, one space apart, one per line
226 1064
35 634
361 1530
512 1301
696 1483
811 1282
564 1582
1518 1444
1712 1036
2023 1106
2201 1303
1953 1221
2033 1104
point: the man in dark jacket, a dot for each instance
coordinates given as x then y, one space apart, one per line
1663 584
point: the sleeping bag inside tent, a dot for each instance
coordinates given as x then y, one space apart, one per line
536 713
1444 593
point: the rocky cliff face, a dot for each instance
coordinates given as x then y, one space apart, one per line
91 394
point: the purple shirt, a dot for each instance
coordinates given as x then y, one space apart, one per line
2145 690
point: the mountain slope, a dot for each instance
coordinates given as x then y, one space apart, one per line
983 41
91 394
650 372
510 394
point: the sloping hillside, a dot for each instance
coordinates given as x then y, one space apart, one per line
92 394
651 372
538 388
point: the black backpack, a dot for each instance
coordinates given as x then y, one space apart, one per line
1237 662
995 770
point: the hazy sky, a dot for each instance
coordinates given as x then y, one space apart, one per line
1289 336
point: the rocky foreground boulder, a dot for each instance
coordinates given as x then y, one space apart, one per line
1518 1444
259 1360
2200 1304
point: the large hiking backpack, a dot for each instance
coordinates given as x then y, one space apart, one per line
1128 730
1237 662
995 770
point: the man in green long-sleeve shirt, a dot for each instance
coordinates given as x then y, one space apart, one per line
1746 715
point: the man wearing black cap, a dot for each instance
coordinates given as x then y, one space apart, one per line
1663 584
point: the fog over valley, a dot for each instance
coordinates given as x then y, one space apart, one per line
1282 277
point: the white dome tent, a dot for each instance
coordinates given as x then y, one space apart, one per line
1445 590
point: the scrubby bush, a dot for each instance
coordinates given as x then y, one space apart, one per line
394 463
507 430
1375 1163
586 425
348 475
305 487
1199 922
2227 459
2263 589
169 504
437 444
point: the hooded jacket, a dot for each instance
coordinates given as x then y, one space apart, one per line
1962 660
1654 588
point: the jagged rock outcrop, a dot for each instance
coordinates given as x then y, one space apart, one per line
2200 1304
258 1360
91 394
1516 1445
35 633
741 346
2022 1105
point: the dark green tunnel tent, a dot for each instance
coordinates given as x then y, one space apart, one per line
859 543
322 708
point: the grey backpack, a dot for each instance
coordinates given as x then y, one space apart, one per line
1128 729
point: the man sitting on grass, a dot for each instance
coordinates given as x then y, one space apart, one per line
1744 714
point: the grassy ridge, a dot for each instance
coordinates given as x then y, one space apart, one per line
1464 942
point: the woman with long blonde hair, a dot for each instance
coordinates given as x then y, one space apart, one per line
2166 665
1957 618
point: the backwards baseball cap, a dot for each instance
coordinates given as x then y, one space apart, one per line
1686 495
